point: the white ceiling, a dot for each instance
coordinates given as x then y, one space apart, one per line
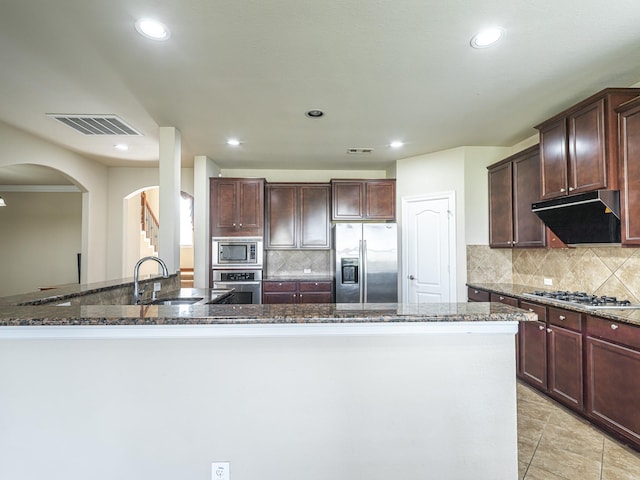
381 70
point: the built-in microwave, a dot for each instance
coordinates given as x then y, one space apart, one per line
237 251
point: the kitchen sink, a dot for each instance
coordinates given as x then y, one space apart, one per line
177 301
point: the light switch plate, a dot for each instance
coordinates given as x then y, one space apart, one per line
157 286
548 281
220 471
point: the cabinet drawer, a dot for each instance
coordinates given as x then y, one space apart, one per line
476 295
539 310
565 319
496 297
616 332
315 286
278 286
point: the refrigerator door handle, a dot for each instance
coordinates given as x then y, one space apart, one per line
364 294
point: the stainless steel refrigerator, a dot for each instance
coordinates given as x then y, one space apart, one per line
366 262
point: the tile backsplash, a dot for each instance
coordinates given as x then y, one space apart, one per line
607 270
293 263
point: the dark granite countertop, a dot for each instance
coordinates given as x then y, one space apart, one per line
300 278
73 290
51 315
631 316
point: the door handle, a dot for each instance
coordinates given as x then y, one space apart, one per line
411 277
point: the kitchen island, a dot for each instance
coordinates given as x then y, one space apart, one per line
282 392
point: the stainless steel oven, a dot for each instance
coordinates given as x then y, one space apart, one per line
238 252
247 284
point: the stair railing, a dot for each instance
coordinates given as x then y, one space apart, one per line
149 222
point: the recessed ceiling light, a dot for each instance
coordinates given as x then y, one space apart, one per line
487 37
396 144
314 113
122 147
234 142
152 29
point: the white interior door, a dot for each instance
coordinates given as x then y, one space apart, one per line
428 254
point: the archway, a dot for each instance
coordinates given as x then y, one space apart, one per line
41 229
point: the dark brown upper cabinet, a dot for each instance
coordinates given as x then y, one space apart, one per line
363 199
629 119
237 207
514 184
579 146
297 216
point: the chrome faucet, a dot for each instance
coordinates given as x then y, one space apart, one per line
137 291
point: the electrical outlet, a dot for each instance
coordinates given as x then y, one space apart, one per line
548 281
220 471
306 270
156 286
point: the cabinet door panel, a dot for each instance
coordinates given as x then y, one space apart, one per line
586 149
279 287
500 206
281 216
315 297
475 295
224 196
315 286
533 353
553 153
250 206
315 218
528 229
613 380
274 298
630 194
348 200
380 200
565 366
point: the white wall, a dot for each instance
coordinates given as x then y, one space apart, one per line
463 171
40 237
18 147
306 408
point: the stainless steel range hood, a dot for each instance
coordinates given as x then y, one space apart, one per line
592 217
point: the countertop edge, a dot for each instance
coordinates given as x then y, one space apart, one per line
257 330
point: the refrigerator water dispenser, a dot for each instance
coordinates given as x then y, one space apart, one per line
349 270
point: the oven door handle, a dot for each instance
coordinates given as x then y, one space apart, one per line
236 283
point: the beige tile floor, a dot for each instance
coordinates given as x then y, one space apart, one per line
555 444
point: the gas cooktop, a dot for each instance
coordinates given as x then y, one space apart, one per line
592 302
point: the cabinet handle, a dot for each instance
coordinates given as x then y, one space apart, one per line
316 284
240 225
531 309
562 190
501 298
541 327
562 317
548 330
571 189
614 326
476 291
234 225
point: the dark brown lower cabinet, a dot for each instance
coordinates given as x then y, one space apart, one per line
613 377
533 353
589 364
297 292
564 356
565 366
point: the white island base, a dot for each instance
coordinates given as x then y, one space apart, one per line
434 404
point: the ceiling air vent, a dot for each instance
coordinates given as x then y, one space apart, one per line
96 124
359 151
